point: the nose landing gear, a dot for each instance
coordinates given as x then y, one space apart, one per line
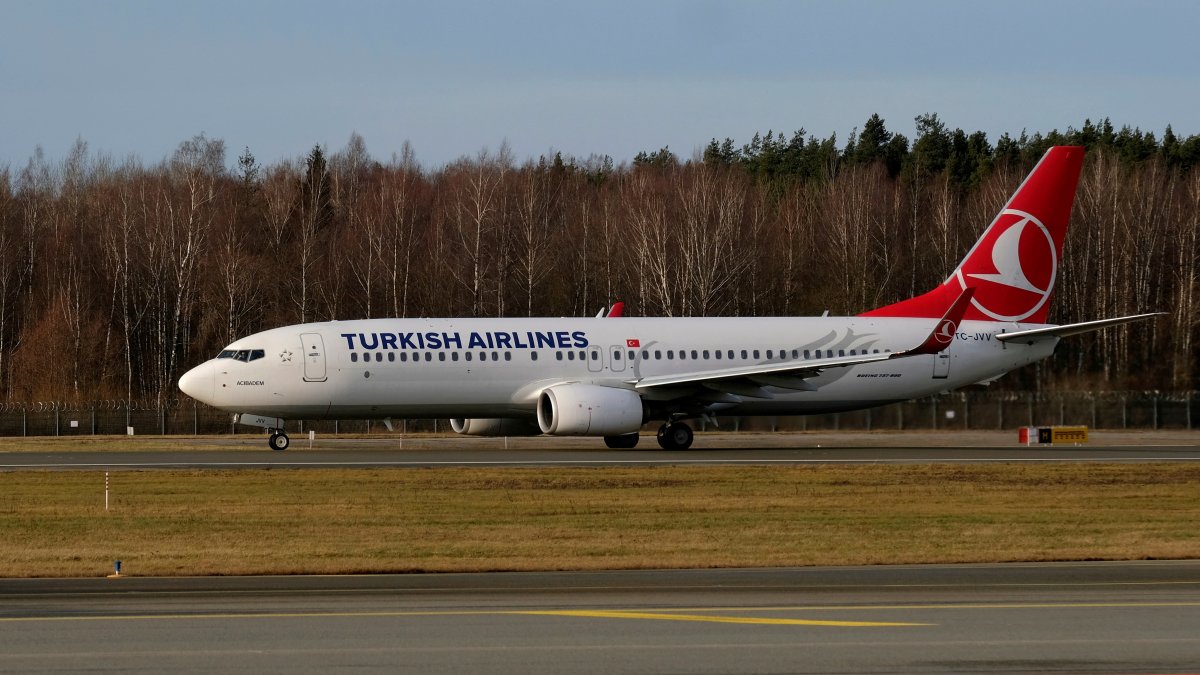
278 440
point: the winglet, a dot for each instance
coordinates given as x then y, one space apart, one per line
943 333
617 310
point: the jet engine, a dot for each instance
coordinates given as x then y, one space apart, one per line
495 426
589 410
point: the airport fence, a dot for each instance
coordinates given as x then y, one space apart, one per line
973 410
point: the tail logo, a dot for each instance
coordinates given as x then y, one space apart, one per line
1018 275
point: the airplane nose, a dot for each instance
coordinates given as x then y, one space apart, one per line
199 382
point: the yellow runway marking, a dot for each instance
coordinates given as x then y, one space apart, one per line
618 614
664 614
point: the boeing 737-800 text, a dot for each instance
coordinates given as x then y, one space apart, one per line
609 376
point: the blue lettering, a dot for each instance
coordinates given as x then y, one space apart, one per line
448 338
544 339
563 338
433 340
503 341
580 338
362 338
389 340
349 340
476 342
406 341
517 342
491 341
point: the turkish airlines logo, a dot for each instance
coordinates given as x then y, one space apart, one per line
945 332
1017 263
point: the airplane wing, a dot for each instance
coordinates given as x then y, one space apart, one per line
749 380
1071 328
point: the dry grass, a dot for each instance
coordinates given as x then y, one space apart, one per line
460 519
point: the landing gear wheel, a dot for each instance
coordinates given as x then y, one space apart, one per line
675 436
279 441
623 441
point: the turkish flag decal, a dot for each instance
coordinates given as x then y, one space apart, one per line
633 342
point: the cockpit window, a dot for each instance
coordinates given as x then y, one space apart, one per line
245 355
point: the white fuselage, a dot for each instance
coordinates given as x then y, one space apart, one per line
462 368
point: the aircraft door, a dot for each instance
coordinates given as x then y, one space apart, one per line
595 359
941 365
314 357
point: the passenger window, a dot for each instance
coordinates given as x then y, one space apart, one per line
717 353
403 357
706 353
467 355
657 354
841 352
682 354
632 355
495 356
533 356
770 354
391 357
483 356
508 356
570 356
378 357
441 356
645 353
558 355
671 354
744 354
616 355
353 357
428 356
805 353
756 353
453 356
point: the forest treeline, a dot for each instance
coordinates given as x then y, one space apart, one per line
116 275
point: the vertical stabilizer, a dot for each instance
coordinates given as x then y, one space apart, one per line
1013 266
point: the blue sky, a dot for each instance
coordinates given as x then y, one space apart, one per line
611 77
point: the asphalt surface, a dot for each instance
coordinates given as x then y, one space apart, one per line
240 452
1067 618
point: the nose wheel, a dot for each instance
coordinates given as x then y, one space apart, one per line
675 436
279 441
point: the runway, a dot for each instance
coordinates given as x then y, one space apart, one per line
242 452
1071 618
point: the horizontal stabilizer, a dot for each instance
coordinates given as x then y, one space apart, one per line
1072 328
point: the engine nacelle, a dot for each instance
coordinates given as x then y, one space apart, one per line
495 426
589 410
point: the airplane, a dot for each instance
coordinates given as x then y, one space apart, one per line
589 376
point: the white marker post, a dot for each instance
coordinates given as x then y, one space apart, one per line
105 490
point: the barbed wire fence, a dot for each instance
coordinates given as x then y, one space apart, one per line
975 410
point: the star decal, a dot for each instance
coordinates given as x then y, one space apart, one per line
285 355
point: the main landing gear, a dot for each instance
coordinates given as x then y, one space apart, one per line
278 440
675 436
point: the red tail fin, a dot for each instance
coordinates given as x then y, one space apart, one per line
1013 266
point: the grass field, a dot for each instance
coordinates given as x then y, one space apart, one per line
285 521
